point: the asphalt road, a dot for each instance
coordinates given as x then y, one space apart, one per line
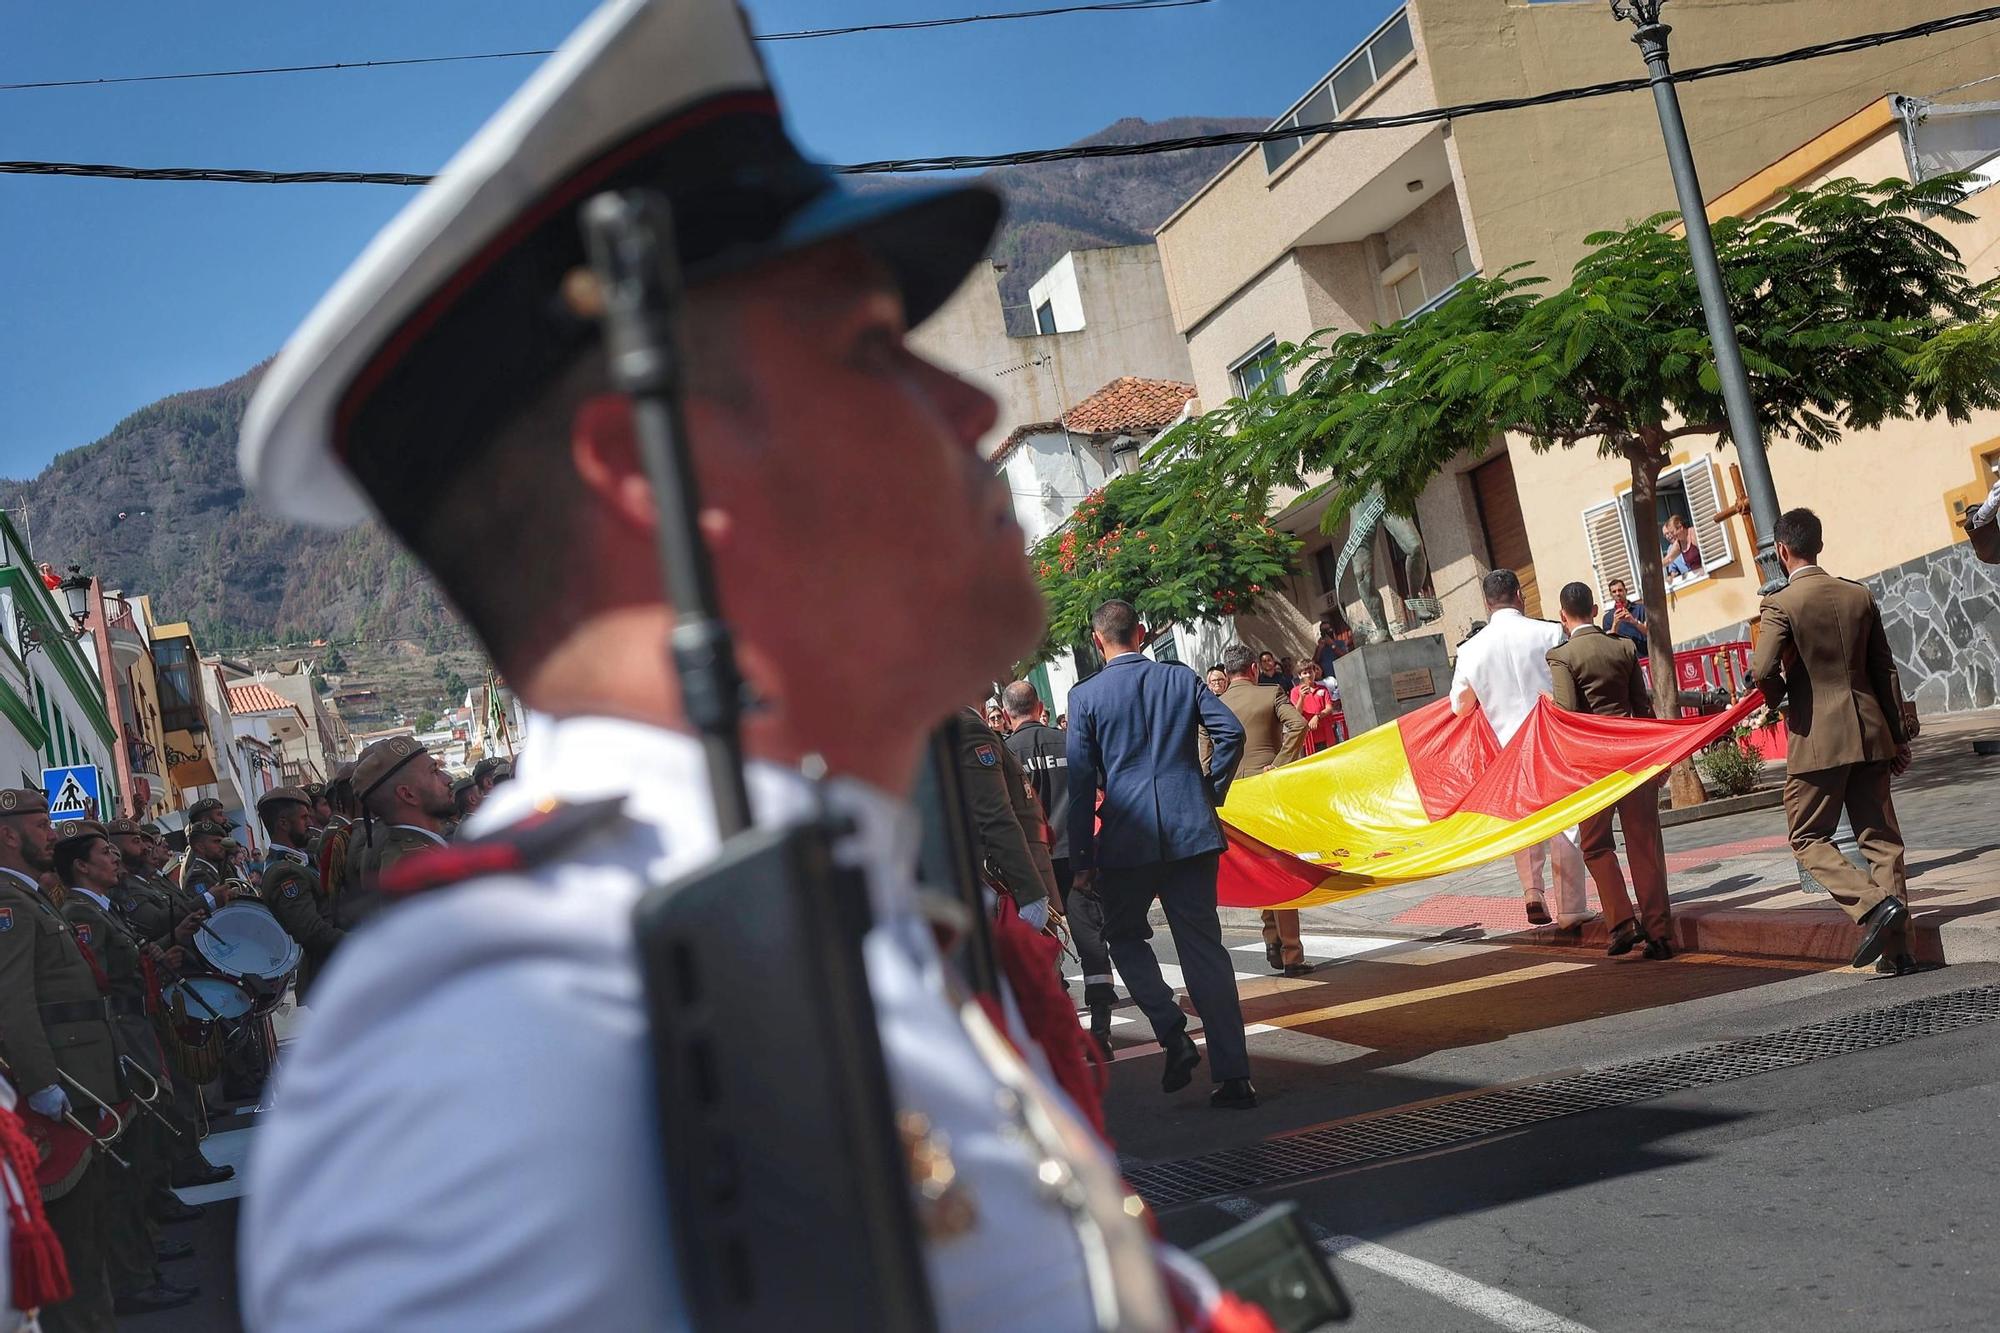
1849 1193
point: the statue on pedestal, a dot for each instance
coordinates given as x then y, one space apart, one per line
1359 552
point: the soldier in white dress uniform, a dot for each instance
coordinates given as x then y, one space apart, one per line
464 1135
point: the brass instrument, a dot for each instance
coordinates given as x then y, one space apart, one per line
118 1122
147 1102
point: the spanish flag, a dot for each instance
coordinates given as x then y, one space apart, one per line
1431 793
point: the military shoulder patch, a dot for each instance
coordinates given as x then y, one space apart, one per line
6 918
83 934
986 753
292 889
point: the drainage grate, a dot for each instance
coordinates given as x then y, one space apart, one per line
1422 1129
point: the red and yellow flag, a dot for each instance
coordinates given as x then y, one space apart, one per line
1431 793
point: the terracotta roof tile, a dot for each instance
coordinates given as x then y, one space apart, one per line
252 697
1130 404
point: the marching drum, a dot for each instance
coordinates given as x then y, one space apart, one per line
207 999
243 944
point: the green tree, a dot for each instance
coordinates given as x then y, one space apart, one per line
1852 310
1179 553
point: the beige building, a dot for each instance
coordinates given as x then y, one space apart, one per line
1890 499
1103 315
1344 232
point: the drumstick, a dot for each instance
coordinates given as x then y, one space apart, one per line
189 991
227 947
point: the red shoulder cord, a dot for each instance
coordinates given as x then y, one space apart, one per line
34 1255
1028 958
149 973
96 968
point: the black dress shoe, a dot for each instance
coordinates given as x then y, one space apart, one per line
1298 969
1538 912
166 1208
1274 955
1897 965
1658 949
1233 1094
1182 1057
1625 938
153 1298
200 1171
1882 922
169 1250
191 1288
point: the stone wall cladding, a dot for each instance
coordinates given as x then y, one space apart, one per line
1942 614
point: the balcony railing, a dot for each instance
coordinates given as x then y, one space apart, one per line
1345 87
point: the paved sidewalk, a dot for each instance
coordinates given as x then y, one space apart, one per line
1735 885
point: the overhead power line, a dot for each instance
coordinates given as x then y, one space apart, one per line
803 34
1749 64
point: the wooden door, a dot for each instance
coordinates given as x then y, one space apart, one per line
1506 531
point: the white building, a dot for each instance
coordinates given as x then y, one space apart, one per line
52 710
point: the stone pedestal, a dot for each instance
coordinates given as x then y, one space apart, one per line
1380 682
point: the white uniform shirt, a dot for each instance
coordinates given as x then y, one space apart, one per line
1504 668
463 1134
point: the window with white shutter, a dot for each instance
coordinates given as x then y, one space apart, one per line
1604 532
1704 496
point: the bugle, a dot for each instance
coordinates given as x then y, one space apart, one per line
146 1101
118 1122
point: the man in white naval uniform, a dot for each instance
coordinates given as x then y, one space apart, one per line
464 1136
1502 671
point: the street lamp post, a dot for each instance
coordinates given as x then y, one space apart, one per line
1651 38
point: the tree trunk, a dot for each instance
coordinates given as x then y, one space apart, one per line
1647 457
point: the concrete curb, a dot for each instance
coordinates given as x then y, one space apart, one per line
1802 934
1796 934
1721 806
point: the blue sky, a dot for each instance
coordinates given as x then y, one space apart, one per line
116 293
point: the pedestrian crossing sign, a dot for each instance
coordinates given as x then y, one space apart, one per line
72 792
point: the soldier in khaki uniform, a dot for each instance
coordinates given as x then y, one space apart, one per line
405 799
201 883
55 1037
89 867
1274 731
149 905
1821 652
291 887
1595 672
1005 820
329 846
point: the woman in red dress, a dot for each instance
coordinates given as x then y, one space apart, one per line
1320 707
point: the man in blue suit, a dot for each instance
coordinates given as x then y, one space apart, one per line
1134 732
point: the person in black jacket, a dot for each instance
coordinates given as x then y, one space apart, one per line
1040 748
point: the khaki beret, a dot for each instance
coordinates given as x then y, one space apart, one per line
209 829
379 762
74 830
151 829
119 828
209 810
277 794
231 845
344 771
313 791
23 801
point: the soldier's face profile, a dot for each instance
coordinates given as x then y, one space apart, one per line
902 520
